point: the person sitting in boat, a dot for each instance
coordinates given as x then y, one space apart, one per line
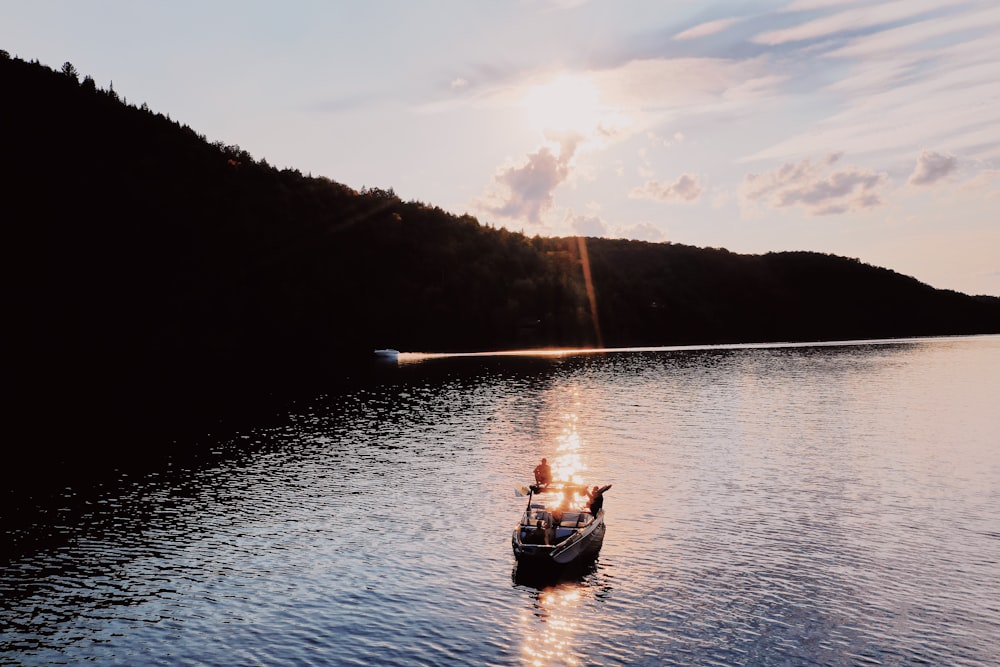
596 497
550 532
536 535
543 474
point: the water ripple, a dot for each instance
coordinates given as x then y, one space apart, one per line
827 506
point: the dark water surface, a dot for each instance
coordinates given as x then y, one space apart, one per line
831 505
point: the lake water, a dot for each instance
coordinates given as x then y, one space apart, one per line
797 505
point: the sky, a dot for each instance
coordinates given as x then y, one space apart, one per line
866 129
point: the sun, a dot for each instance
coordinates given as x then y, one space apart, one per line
565 104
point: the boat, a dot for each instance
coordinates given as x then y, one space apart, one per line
557 528
387 355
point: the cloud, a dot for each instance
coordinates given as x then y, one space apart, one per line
587 225
661 86
817 187
985 184
524 192
919 35
685 189
932 167
809 5
927 79
643 231
594 226
656 139
560 5
850 20
706 29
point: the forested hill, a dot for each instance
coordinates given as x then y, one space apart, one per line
151 274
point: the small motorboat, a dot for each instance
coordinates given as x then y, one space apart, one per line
557 528
386 355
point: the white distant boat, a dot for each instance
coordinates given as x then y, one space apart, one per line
387 355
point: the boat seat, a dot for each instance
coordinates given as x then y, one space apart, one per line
563 533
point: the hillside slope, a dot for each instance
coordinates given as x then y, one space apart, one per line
673 294
153 279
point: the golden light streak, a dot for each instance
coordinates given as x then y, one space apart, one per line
552 643
567 464
589 284
415 357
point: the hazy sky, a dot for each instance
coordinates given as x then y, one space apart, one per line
864 129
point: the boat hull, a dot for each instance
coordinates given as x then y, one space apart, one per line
579 547
387 355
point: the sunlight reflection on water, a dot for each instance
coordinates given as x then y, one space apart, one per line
771 505
551 627
567 465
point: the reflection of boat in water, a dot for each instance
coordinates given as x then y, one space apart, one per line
531 575
557 528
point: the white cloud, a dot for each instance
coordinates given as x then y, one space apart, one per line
706 29
524 192
854 18
985 184
807 5
685 189
818 188
586 225
932 167
894 41
559 5
662 85
943 97
657 140
721 198
643 231
593 225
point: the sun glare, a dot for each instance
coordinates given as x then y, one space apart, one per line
568 464
564 104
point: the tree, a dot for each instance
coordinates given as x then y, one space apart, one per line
70 71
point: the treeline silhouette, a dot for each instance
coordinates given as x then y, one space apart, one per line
154 280
675 294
